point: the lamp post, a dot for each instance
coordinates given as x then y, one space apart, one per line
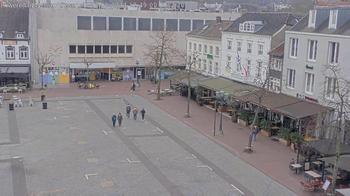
219 98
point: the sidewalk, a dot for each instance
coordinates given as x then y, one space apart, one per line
269 157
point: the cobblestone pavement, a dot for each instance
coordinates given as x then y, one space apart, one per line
269 157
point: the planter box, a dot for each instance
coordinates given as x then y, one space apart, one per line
284 142
242 122
265 133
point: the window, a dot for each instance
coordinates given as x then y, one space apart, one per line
290 78
157 24
72 49
204 65
205 49
81 49
260 49
144 24
190 62
129 24
196 24
190 46
89 49
185 25
330 87
100 23
309 82
20 35
228 63
312 50
333 52
217 51
199 64
98 49
171 24
121 49
312 18
229 44
239 46
216 68
194 46
248 68
249 48
239 66
105 49
293 44
246 27
210 67
23 53
259 69
333 19
274 84
115 23
114 49
276 64
129 49
199 47
84 22
210 49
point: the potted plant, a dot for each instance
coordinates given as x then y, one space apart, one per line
264 126
296 139
243 118
284 136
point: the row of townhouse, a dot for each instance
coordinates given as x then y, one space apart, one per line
291 54
285 53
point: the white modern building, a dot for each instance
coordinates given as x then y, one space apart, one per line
110 39
320 40
15 58
204 47
247 42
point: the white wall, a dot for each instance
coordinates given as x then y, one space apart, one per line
16 60
254 57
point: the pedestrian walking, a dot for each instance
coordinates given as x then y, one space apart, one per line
128 110
133 87
255 132
114 119
143 112
120 119
135 111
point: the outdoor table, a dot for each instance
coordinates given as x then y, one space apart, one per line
313 174
317 163
296 166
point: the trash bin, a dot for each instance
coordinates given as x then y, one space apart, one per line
11 106
42 97
44 105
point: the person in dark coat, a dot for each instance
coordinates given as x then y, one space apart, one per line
133 87
143 112
120 119
128 110
114 119
135 111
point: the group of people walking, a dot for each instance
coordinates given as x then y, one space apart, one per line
134 112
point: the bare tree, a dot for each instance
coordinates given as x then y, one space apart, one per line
88 63
191 61
45 59
160 53
337 96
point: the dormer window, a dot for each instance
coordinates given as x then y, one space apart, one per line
312 18
246 27
333 16
19 35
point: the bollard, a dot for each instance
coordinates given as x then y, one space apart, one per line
44 105
11 107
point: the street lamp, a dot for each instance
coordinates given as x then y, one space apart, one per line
219 99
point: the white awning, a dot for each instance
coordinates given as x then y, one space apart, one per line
16 69
92 65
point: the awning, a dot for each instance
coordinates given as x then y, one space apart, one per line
10 69
344 162
287 105
302 109
343 191
92 65
326 147
233 88
195 79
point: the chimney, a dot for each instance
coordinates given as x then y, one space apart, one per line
218 19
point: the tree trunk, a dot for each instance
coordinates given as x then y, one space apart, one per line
188 91
337 155
158 86
42 77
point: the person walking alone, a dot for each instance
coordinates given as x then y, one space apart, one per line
120 119
143 112
128 110
135 111
114 119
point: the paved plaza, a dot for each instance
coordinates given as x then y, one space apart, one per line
73 149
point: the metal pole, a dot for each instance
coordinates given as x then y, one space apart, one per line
188 91
215 117
220 128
